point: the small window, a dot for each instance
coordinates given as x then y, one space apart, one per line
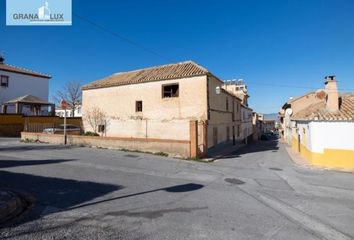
138 106
227 104
4 81
101 128
169 91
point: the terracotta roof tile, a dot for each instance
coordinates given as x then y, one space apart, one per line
28 99
158 73
11 68
319 112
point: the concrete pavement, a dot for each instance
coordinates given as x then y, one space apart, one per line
254 193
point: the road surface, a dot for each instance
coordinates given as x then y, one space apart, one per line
255 193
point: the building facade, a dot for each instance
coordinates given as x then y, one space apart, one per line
16 82
292 107
161 102
323 131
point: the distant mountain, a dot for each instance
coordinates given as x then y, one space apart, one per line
271 116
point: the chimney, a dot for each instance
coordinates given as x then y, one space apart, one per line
332 100
2 59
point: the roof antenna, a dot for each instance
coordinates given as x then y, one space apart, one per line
2 57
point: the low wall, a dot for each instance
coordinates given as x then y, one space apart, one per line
175 148
11 125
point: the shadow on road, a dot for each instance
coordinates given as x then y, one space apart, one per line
27 147
259 146
174 189
58 193
17 163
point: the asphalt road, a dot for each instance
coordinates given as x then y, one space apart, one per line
255 193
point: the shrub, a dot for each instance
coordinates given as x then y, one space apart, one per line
91 134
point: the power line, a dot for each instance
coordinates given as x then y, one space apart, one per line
148 50
121 37
292 86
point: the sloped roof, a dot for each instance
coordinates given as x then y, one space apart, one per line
157 73
319 112
14 69
28 99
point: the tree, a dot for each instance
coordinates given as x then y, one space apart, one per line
72 94
94 117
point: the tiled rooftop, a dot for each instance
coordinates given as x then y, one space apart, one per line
11 68
28 99
319 112
158 73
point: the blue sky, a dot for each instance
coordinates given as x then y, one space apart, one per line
280 48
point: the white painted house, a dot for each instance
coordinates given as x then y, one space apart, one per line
323 132
69 112
16 82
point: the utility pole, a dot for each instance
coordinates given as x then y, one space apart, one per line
64 106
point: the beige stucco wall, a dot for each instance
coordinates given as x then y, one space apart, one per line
219 117
171 147
163 118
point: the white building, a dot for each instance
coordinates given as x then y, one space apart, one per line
16 82
60 112
323 132
246 123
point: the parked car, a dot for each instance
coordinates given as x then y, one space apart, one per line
268 136
70 129
265 137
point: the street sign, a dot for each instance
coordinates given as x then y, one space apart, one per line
63 104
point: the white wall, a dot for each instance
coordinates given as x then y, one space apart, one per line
61 112
330 135
20 85
246 122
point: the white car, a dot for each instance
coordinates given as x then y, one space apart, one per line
60 129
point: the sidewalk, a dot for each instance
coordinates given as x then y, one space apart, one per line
222 150
296 157
300 161
11 205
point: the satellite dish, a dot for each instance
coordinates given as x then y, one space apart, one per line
288 112
218 90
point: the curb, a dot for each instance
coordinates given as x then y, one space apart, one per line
301 162
296 158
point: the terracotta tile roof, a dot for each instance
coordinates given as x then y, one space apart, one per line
28 99
319 112
157 73
14 69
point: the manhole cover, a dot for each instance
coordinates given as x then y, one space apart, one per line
276 169
234 181
131 156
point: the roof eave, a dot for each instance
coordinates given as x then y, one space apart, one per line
86 87
28 74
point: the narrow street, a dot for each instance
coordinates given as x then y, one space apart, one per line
255 193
